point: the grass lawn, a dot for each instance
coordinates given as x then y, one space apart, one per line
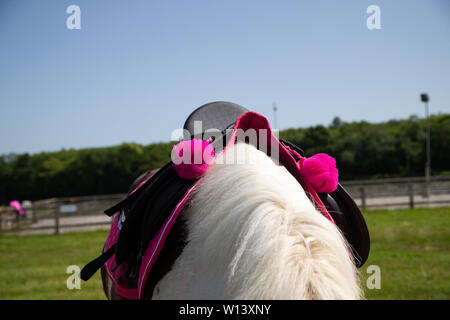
34 267
411 247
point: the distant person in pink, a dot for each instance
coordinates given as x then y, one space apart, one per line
16 205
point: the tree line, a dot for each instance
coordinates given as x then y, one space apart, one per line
362 150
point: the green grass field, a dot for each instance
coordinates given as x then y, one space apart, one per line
411 247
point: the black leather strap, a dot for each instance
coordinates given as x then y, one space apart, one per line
91 268
159 175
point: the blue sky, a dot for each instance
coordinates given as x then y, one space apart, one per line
136 69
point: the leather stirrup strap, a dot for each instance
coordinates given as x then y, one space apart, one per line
91 268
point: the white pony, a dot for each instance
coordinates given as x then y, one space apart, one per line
253 233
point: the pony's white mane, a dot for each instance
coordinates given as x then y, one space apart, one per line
254 234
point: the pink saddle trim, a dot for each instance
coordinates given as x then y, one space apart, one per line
157 243
117 276
150 255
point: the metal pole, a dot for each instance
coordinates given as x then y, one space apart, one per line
411 195
428 164
363 197
424 97
56 212
33 212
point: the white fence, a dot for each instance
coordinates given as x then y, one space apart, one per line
58 215
400 192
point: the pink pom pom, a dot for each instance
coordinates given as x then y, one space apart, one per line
320 170
192 158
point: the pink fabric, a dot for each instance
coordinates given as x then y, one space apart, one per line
150 255
118 275
157 243
192 158
320 170
16 205
293 151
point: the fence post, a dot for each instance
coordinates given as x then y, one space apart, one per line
34 212
17 218
411 195
363 197
56 211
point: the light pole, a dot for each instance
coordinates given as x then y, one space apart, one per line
425 99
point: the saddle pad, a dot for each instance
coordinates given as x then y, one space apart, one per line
118 275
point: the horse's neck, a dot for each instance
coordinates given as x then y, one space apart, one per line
254 234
